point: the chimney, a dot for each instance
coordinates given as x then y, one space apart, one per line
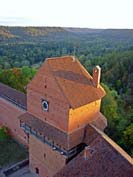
88 152
73 58
96 76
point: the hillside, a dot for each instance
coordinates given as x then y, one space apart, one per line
43 31
5 33
30 45
22 49
21 33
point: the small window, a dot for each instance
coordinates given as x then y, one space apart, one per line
44 155
45 105
37 170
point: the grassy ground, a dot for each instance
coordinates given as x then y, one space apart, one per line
11 152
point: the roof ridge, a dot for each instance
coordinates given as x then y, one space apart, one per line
84 71
65 56
57 83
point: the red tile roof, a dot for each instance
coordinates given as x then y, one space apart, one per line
52 133
12 95
74 81
64 139
104 159
100 121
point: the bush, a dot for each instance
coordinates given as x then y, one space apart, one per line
4 133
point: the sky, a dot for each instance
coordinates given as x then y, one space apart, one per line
67 13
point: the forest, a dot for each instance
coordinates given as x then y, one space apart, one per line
23 49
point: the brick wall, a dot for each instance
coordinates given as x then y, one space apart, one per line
44 158
44 86
83 115
8 117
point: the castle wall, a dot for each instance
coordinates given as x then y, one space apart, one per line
9 117
44 158
83 115
58 110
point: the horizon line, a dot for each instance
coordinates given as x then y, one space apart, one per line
25 26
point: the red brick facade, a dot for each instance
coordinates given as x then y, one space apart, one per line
44 86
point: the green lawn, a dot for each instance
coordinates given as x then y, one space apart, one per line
11 152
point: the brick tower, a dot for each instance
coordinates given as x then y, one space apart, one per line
62 99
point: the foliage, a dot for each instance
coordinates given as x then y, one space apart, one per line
17 78
109 105
30 45
120 126
4 134
11 152
128 134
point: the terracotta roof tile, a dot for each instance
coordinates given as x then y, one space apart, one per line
59 137
14 96
103 160
84 134
113 144
74 81
100 121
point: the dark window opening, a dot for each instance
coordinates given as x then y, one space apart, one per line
37 170
44 155
45 105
